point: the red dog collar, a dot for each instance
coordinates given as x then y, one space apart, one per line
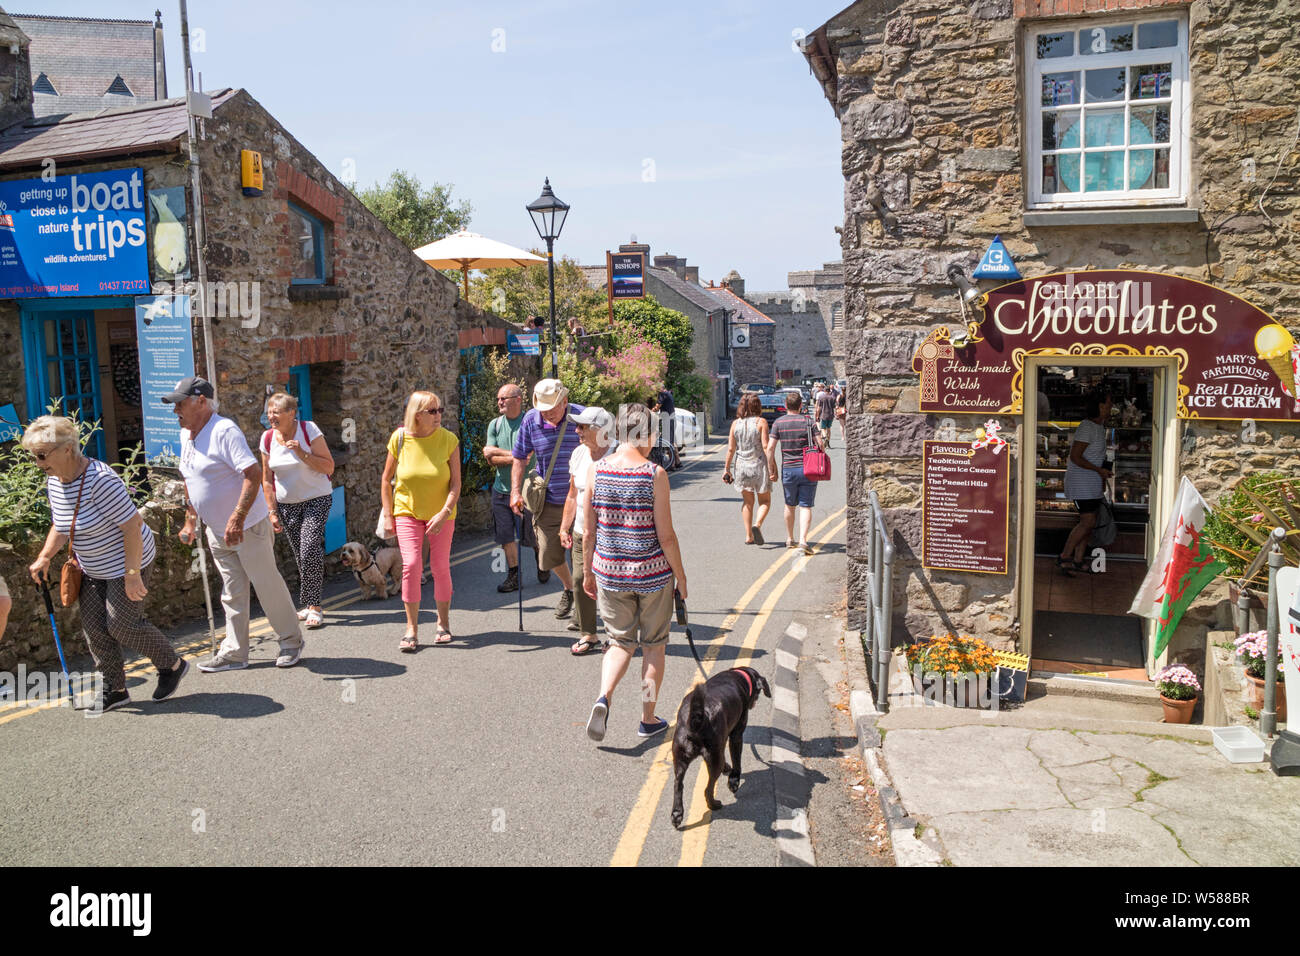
747 680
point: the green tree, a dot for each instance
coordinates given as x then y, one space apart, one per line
414 214
669 329
516 294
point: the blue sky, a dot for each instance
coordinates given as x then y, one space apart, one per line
694 126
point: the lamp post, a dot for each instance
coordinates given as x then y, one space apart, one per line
548 214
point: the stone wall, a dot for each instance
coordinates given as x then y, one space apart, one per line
755 364
383 325
930 96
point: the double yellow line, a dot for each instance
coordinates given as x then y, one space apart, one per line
637 829
197 647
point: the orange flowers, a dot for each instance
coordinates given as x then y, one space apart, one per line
951 654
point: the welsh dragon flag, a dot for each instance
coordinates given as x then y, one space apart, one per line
1184 565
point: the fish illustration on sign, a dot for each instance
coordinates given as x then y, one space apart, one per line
170 249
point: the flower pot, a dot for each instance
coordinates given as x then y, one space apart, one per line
1178 711
964 690
1257 694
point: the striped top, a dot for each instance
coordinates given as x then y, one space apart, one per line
105 504
791 430
536 437
628 556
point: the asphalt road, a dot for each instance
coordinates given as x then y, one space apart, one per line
471 753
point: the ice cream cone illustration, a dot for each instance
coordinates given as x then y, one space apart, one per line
1274 345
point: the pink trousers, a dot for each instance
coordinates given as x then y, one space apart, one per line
411 533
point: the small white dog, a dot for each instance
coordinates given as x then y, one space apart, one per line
372 571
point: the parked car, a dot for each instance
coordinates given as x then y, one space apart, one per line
688 428
773 405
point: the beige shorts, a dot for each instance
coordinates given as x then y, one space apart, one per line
550 552
632 618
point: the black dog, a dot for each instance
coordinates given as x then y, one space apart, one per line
712 715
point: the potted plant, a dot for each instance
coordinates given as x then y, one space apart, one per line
1241 520
1252 651
1179 691
957 670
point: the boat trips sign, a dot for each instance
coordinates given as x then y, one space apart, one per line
1234 360
79 235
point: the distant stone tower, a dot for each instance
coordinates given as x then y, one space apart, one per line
15 74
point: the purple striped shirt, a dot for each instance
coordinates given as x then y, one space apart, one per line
537 437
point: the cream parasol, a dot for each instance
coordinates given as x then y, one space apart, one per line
468 250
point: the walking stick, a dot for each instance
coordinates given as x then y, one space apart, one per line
207 591
519 565
58 645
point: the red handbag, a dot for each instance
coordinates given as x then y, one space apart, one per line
816 463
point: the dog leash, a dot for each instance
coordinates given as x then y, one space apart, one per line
681 619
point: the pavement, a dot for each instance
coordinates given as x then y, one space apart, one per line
1046 785
470 753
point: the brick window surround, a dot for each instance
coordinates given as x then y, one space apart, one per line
1060 8
301 190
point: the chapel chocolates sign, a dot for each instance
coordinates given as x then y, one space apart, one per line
1234 360
964 511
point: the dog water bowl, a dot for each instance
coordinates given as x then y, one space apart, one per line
1238 744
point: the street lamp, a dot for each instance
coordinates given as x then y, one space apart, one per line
548 215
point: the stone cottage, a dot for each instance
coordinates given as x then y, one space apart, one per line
307 291
1138 160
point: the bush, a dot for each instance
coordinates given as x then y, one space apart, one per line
480 408
951 654
1239 524
634 374
694 391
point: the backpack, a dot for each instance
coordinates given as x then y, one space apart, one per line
266 438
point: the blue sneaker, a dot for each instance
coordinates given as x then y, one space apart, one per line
649 730
596 722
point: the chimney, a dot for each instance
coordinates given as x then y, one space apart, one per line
15 74
635 246
734 282
693 274
159 60
675 263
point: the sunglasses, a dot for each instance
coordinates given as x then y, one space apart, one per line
432 411
41 456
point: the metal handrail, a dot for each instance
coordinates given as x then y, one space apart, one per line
880 589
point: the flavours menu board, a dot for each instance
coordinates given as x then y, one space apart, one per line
964 508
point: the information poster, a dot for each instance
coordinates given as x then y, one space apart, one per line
964 507
166 342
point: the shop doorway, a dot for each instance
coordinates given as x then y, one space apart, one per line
1077 610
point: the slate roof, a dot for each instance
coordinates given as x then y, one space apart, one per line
106 132
690 291
745 313
83 58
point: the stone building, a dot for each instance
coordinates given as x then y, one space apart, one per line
809 317
676 285
80 64
753 334
307 291
1138 145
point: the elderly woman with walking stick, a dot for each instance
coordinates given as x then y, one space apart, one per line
93 513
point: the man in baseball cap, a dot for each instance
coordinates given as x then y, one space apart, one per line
542 428
188 388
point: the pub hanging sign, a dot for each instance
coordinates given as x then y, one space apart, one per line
1234 360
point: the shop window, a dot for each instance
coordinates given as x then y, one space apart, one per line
309 247
61 358
1106 113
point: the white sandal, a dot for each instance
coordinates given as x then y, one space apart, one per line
302 615
313 619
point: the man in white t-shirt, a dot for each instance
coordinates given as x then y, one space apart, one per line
223 483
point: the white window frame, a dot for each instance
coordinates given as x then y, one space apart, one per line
1179 111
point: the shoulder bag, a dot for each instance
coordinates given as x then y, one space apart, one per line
70 581
816 463
535 486
386 530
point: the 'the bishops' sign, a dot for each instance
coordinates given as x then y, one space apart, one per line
1234 360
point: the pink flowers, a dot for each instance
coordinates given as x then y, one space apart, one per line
1177 682
1257 517
1252 651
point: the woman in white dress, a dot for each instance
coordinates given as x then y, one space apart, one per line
745 447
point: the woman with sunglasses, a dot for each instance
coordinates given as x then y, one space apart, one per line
420 488
115 548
